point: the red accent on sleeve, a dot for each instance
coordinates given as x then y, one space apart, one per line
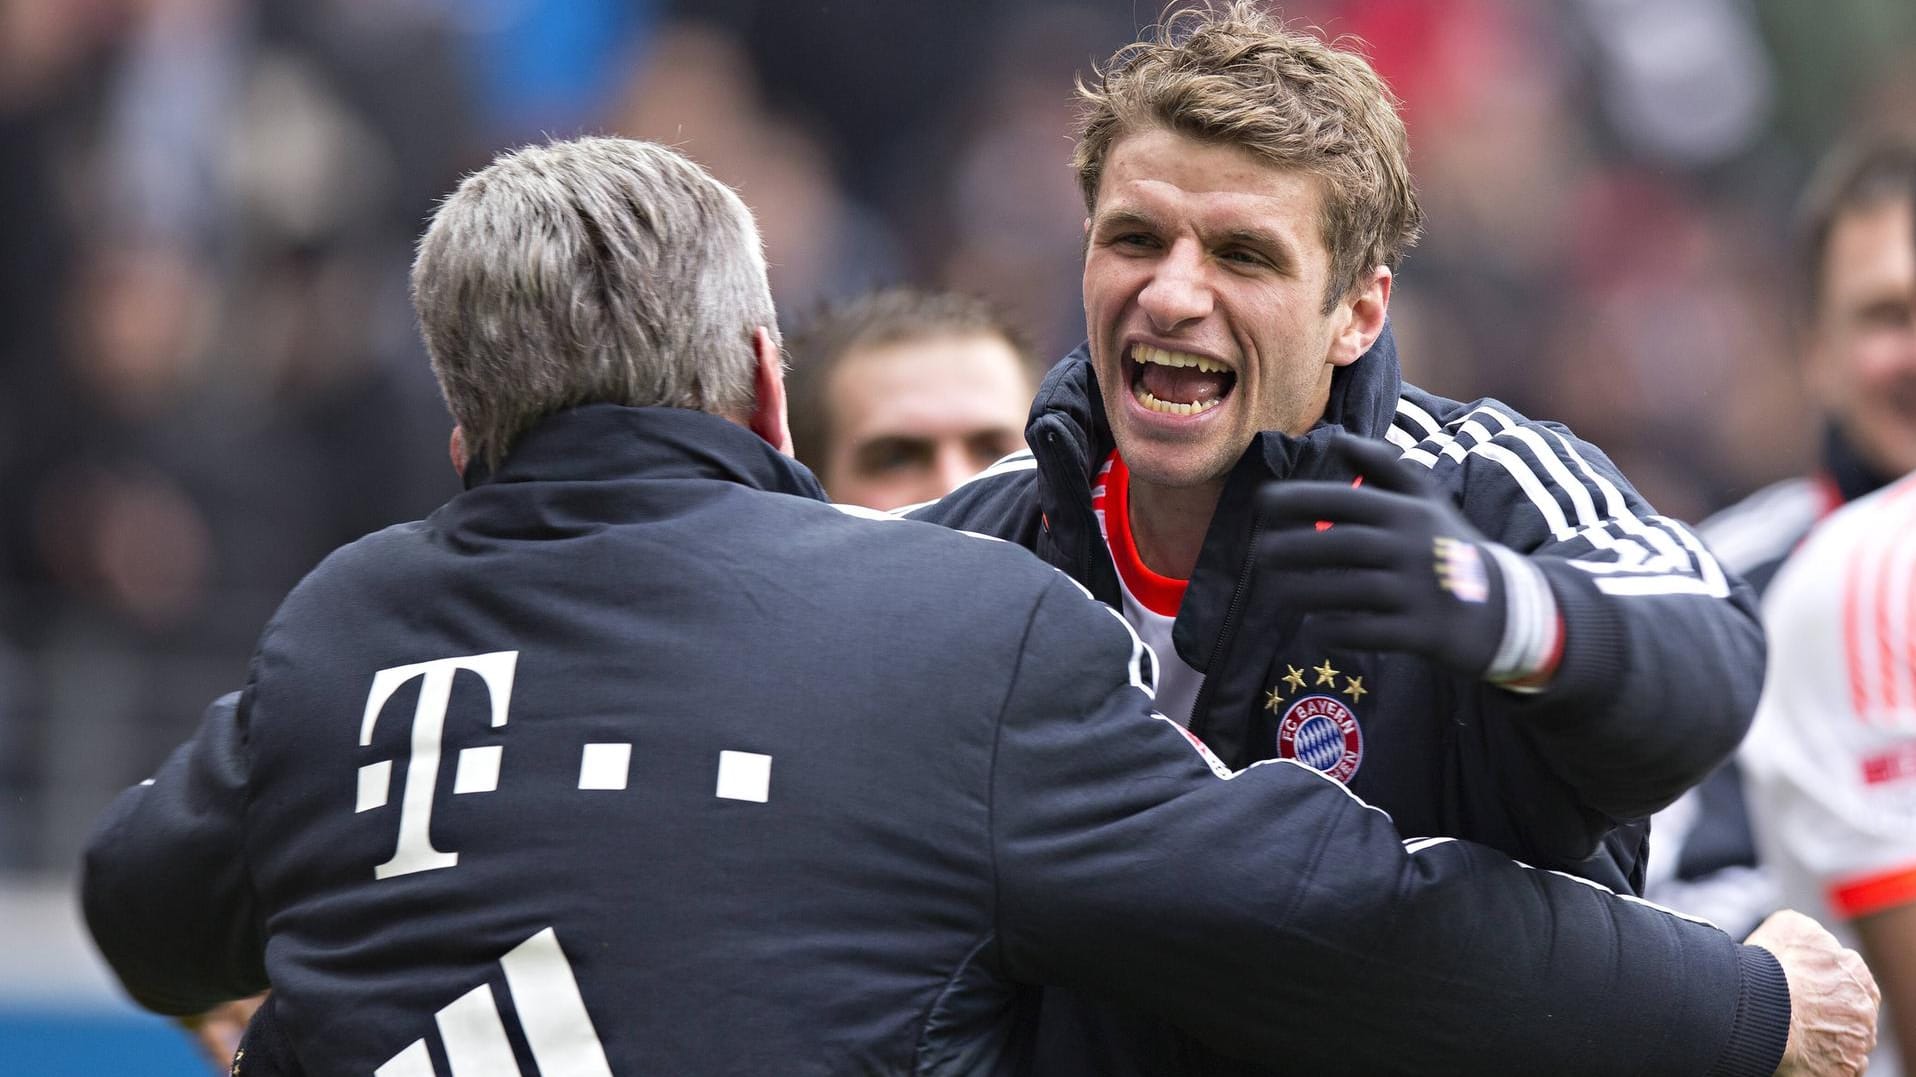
1893 765
1861 896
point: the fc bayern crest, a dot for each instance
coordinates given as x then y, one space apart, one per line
1322 733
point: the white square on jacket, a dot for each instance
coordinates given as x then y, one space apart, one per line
744 776
604 766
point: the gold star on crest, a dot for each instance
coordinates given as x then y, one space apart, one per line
1295 677
1325 674
1273 699
1354 688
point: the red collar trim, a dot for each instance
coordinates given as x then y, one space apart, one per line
1829 496
1162 595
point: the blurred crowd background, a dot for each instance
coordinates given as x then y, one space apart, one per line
208 371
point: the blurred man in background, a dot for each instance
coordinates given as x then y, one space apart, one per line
900 395
1857 279
1831 762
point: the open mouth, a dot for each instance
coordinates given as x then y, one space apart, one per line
1176 383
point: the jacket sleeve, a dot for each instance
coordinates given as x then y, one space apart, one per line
163 883
1275 916
1663 651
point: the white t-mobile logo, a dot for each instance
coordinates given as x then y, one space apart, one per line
478 767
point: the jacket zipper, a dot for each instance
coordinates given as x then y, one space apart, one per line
1081 556
1202 705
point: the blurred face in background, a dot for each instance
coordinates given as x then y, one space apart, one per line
912 419
1863 340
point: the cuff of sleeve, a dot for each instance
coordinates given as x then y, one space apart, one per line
1761 1029
1592 653
1532 643
1866 894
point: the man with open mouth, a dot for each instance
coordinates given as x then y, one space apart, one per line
1469 617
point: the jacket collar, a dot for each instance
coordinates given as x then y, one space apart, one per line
1070 438
611 441
1846 469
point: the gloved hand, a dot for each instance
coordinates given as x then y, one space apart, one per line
1390 564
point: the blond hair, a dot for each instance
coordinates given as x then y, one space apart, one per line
1236 75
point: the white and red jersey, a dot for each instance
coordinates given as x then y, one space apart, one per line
1151 600
1831 759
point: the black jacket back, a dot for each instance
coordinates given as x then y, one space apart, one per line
636 758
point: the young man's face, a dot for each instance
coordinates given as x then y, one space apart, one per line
1204 284
1863 343
913 419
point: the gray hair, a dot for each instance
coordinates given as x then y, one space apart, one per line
600 270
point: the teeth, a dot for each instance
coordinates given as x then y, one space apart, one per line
1145 353
1170 407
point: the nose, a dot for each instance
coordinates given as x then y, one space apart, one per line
1177 292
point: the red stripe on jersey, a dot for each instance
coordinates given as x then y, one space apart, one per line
1907 606
1879 653
1160 594
1875 892
1901 536
1885 631
1890 766
1855 587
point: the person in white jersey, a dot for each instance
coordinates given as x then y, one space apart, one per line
1831 763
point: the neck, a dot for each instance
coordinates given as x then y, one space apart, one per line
1169 523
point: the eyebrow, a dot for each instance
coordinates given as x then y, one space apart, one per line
1267 241
1123 218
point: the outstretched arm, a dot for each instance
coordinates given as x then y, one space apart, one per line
163 883
1277 917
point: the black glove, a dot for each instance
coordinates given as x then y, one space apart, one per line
1388 564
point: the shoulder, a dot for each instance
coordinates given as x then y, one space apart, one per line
1485 451
1763 527
968 538
1431 429
1859 554
391 552
1838 688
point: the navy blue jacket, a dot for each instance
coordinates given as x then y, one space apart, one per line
1662 664
1661 668
636 758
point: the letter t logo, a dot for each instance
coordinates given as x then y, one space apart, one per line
415 851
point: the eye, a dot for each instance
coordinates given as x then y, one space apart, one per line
1885 314
1245 257
890 455
1135 240
990 446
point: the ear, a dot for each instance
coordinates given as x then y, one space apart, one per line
1360 317
768 419
457 450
